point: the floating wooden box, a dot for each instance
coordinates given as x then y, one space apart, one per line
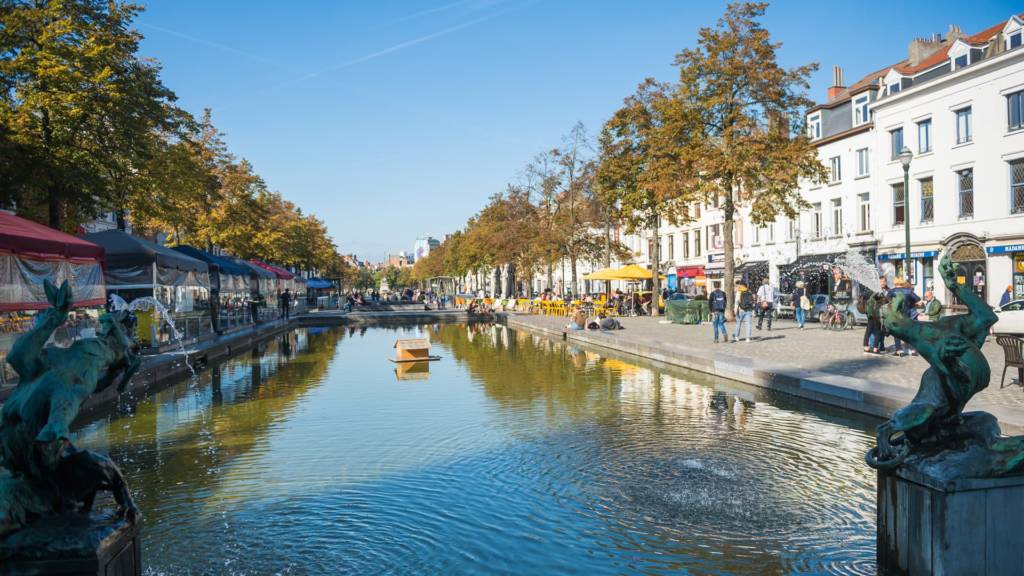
413 350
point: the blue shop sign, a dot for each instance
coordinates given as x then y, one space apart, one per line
1005 249
913 255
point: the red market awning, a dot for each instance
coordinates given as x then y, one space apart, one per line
689 271
27 238
281 273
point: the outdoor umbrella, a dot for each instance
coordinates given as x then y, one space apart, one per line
632 272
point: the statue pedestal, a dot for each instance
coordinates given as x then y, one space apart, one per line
970 526
99 544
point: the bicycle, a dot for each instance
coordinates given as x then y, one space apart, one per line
834 318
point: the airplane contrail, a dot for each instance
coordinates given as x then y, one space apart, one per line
385 51
212 44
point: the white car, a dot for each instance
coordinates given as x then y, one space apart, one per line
1011 318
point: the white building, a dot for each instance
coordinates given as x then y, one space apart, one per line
960 111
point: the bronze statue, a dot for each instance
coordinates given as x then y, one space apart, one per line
41 472
933 432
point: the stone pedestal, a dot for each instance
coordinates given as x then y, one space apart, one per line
973 527
73 546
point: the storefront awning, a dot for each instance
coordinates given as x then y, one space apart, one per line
1005 249
689 271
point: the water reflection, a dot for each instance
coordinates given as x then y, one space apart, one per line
518 455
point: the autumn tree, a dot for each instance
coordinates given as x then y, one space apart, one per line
734 104
78 104
628 179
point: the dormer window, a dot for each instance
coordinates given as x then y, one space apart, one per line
960 54
1013 32
814 126
893 82
860 110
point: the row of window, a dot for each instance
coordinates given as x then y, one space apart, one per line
964 195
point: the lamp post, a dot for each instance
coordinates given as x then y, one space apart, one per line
905 157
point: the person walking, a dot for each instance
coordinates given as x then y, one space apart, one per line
716 303
765 304
932 306
1006 297
909 309
744 310
801 304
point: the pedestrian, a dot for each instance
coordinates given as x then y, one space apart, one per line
932 306
744 310
717 303
1007 296
909 309
801 304
873 336
765 303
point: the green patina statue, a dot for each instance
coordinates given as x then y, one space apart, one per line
933 433
41 472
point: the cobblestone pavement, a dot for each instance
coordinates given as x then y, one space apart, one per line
816 349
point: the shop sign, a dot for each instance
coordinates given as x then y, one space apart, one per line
913 255
716 258
1005 249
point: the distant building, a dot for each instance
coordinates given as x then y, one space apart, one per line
400 260
423 247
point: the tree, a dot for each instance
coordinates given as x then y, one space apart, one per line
628 179
733 104
79 105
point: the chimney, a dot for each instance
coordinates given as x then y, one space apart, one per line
837 83
921 48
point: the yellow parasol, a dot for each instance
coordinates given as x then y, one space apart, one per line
602 274
633 272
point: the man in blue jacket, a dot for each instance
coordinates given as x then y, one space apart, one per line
717 304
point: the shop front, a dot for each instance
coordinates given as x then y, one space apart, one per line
814 270
690 279
892 265
1007 263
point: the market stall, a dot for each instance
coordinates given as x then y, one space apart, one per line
136 268
262 290
285 279
318 292
30 254
230 289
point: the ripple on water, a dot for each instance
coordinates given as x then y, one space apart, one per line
516 456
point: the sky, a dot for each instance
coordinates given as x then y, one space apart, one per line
392 120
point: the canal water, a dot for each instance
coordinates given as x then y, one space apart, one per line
513 454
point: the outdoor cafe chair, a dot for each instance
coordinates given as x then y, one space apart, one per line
1013 352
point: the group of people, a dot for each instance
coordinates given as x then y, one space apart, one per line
914 307
581 320
746 305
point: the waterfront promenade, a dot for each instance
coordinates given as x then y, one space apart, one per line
812 363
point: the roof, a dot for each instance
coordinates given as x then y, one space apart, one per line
126 251
29 238
905 68
215 262
279 272
253 270
319 284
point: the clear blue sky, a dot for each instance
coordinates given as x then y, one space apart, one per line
391 120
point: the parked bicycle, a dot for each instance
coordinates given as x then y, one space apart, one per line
835 318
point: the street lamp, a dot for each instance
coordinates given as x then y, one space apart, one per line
905 157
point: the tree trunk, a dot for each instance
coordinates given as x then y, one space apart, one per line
729 209
496 292
572 267
53 206
122 220
551 276
607 252
656 272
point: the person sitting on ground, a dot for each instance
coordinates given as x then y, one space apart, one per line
608 323
579 320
